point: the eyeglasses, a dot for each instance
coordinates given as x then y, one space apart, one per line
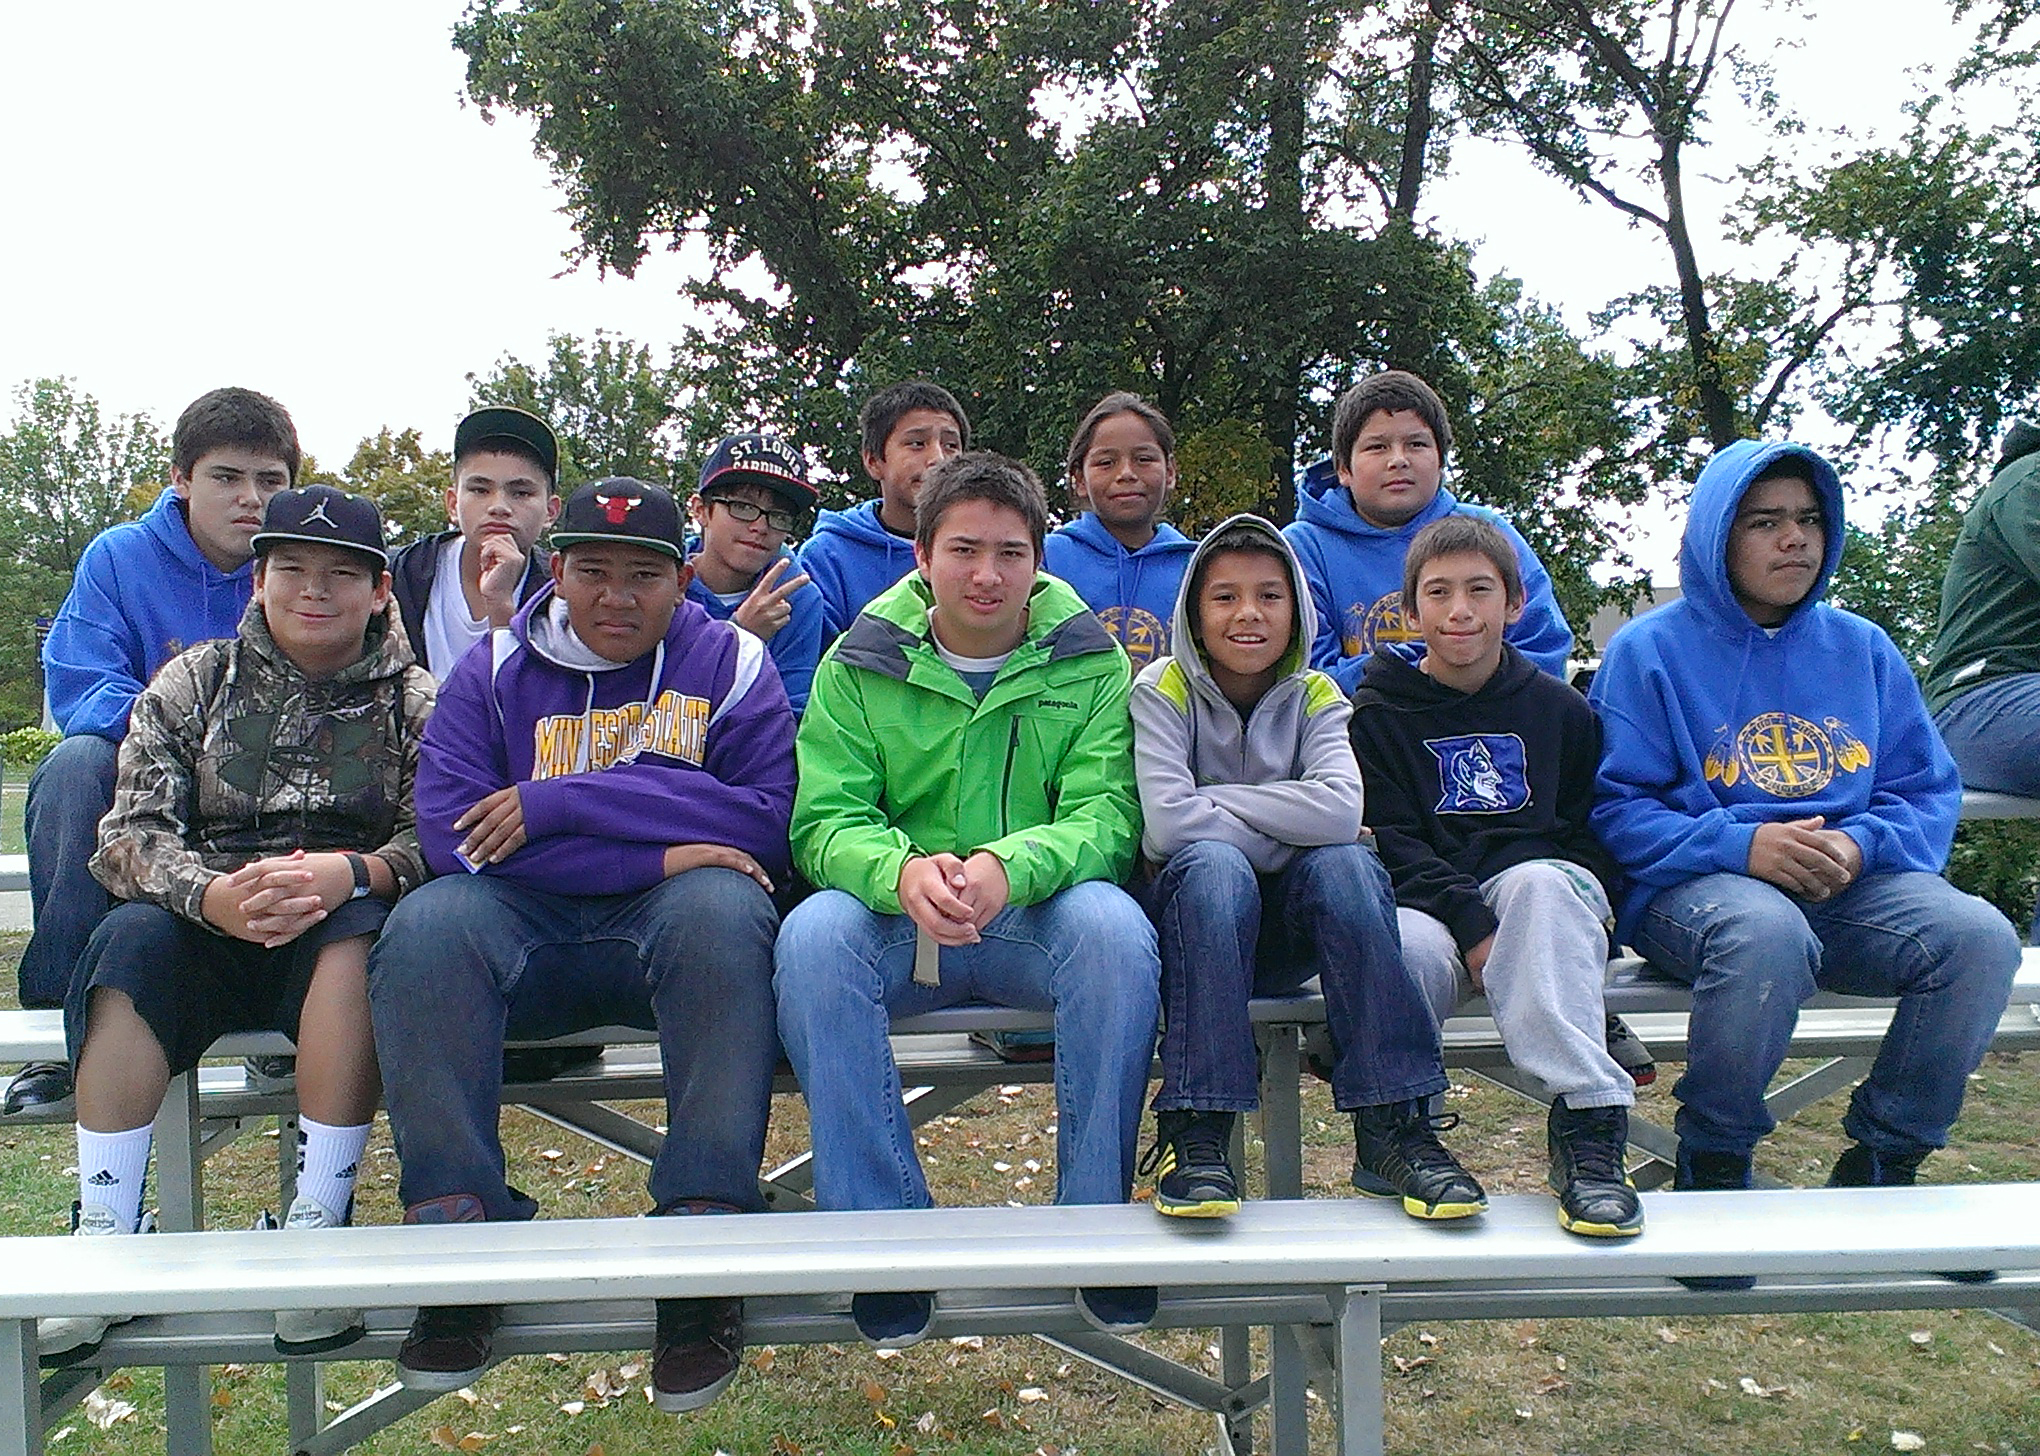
747 512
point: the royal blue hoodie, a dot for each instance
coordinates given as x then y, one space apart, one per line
1355 573
851 558
142 593
1133 592
1713 725
688 743
795 648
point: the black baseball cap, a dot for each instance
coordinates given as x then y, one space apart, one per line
323 516
763 460
505 422
619 508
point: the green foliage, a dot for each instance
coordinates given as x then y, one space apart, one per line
67 472
408 482
24 748
1892 574
615 411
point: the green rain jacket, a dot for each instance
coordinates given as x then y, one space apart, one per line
899 758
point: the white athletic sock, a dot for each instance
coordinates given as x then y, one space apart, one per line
111 1169
328 1159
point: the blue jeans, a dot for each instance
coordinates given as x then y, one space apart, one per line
1992 732
1228 933
843 971
1752 954
467 960
68 794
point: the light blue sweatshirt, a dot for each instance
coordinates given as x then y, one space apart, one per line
1133 592
795 648
142 593
1713 726
1355 572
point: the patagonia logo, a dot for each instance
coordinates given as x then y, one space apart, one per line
1064 703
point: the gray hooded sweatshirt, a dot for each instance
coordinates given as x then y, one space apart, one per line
1282 779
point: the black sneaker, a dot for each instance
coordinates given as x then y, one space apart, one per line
1629 1052
1595 1196
1698 1171
274 1072
41 1087
1396 1154
695 1351
893 1319
449 1346
1191 1165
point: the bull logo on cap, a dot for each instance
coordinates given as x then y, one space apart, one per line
617 508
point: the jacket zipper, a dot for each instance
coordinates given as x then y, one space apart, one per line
1006 785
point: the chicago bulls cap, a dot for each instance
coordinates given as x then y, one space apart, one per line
323 516
633 512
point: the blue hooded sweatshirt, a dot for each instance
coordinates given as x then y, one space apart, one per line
795 648
1355 573
851 558
1713 725
1133 592
142 593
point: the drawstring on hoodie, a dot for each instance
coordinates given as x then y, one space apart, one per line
646 729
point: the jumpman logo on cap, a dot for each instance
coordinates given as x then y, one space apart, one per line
318 513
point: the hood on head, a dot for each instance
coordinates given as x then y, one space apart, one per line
1703 550
1184 646
2021 440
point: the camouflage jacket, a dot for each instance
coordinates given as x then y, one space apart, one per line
233 754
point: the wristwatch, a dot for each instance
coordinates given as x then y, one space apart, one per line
359 865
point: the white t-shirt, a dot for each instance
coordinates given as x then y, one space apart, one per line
449 630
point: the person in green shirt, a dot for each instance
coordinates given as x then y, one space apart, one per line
1983 673
966 782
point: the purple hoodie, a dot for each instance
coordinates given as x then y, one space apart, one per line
690 743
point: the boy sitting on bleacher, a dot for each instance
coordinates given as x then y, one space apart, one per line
1480 778
261 828
604 793
1251 804
1782 806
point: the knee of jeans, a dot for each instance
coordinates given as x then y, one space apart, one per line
1105 924
1975 939
81 768
1210 867
817 944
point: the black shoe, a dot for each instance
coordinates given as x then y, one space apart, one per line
1595 1196
1396 1154
449 1346
1191 1165
893 1320
1698 1171
272 1073
695 1352
1120 1310
542 1064
1629 1052
38 1087
1862 1166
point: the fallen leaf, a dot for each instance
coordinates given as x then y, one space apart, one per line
1552 1385
1524 1413
1908 1441
888 1354
105 1413
762 1361
474 1441
785 1446
968 1342
1993 1347
1002 1167
60 1435
1425 1337
574 1407
552 1155
557 1358
222 1399
1411 1366
516 1430
873 1392
1921 1337
1762 1392
927 1423
443 1437
994 1418
466 1393
1669 1335
595 1448
1559 1361
1030 1394
631 1371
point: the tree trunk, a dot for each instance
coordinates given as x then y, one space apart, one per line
1285 228
1717 408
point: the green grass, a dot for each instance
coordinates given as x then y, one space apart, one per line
1656 1387
13 796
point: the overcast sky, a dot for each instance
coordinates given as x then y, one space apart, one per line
294 197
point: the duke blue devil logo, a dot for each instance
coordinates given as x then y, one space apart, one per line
1480 773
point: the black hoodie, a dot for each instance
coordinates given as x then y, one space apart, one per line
1461 786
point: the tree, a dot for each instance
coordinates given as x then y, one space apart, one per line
1213 204
67 472
615 411
408 482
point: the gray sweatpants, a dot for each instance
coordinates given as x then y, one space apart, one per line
1543 977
